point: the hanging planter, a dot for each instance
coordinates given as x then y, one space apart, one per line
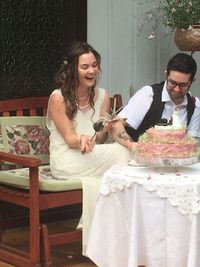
188 39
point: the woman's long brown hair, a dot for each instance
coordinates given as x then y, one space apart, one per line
67 77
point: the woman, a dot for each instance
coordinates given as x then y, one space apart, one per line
72 110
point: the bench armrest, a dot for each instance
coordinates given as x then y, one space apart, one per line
24 161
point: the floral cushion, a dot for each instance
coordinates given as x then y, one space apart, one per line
27 136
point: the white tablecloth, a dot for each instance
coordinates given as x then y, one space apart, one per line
147 216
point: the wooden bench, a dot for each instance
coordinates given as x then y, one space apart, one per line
33 198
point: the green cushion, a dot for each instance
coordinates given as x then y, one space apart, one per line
26 135
19 178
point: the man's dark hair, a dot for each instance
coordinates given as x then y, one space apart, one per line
183 63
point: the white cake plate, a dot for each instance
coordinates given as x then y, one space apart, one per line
166 162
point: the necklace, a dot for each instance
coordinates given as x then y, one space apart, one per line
84 107
84 97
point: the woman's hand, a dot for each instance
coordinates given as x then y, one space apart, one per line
86 144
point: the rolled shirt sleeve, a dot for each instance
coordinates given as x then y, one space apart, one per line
137 106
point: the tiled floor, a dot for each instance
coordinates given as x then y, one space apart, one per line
61 254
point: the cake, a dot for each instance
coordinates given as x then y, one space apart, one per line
170 141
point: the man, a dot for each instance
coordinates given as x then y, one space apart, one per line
152 103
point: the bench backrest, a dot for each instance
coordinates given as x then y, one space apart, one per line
37 106
33 106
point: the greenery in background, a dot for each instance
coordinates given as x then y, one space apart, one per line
170 13
180 13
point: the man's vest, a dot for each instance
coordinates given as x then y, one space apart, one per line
155 111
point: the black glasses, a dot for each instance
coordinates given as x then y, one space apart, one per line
182 86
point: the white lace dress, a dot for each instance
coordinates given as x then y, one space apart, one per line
67 163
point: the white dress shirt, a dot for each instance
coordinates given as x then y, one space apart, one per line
140 103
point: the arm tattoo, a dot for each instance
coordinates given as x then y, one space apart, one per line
123 135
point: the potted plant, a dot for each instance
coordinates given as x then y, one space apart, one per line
180 16
183 17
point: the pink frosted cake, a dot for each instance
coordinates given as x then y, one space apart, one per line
166 142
